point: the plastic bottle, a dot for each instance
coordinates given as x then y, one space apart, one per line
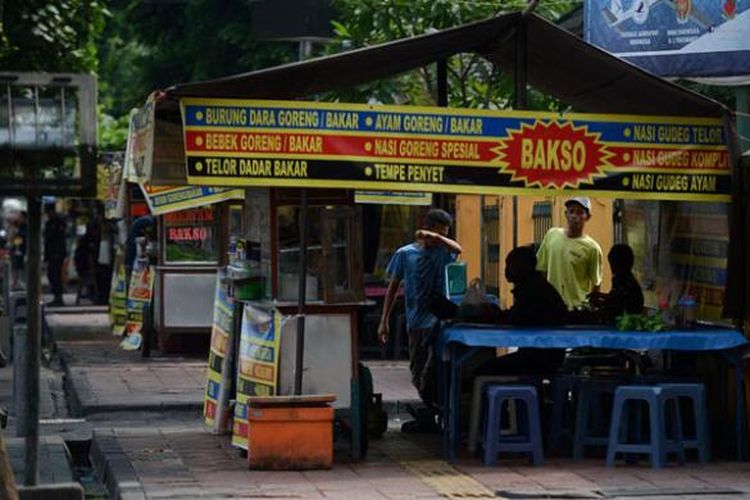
687 305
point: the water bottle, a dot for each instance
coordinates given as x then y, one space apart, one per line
687 305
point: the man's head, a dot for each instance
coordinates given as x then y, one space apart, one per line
520 264
577 213
438 221
49 208
621 258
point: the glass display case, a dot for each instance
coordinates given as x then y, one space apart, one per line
192 246
190 236
333 263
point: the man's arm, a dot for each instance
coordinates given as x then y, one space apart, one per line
596 277
388 301
451 245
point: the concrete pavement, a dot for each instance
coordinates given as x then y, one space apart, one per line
141 421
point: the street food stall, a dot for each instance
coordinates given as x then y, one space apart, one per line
650 139
193 226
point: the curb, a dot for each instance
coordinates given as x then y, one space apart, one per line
113 468
80 410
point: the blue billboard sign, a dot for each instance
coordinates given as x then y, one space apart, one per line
681 38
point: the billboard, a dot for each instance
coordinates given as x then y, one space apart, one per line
246 143
685 38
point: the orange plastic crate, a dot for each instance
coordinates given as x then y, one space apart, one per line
293 437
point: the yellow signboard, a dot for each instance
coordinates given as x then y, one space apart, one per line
430 149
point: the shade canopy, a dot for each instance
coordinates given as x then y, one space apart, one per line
557 63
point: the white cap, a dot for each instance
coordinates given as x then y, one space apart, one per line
584 201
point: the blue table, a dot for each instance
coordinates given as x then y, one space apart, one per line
459 342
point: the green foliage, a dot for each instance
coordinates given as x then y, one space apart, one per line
51 36
473 82
112 132
152 45
640 323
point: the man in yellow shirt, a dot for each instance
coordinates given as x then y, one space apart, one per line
570 259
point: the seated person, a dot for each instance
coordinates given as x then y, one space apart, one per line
626 295
535 303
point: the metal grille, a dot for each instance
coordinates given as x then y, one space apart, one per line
541 214
617 221
491 247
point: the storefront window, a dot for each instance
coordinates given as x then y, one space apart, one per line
190 236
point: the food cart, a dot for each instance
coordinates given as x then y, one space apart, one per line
232 134
193 226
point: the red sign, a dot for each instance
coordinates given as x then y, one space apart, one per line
188 233
550 155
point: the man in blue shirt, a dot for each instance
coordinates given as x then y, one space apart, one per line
420 265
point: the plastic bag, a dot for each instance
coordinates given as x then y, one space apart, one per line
476 307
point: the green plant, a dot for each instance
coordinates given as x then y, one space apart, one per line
640 323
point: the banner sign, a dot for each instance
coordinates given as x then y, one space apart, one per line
699 38
310 144
118 296
140 293
392 198
139 150
110 184
165 199
216 403
258 364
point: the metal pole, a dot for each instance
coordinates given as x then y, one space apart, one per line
440 199
742 105
519 97
305 51
442 82
302 267
31 387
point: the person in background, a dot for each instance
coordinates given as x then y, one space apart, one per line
18 249
104 263
142 226
535 303
420 265
84 259
571 260
54 252
626 295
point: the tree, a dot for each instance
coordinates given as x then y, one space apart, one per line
152 45
50 35
473 82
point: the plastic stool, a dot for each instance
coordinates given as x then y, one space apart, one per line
696 393
476 405
657 448
529 439
591 391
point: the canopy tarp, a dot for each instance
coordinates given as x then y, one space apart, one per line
556 62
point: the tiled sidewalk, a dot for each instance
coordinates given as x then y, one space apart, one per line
189 463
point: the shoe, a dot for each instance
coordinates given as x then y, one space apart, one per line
420 426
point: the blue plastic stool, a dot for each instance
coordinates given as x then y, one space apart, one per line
589 414
657 398
696 393
529 437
